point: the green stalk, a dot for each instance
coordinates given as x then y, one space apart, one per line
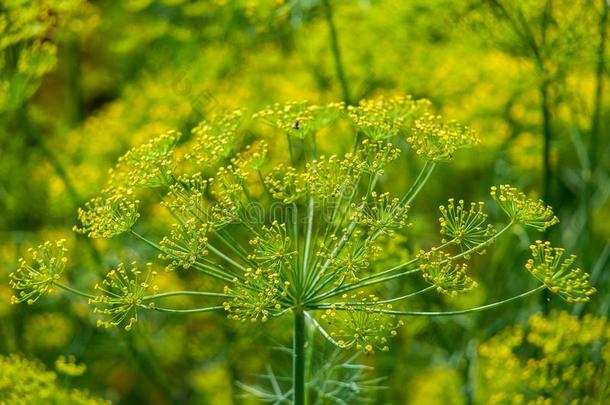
334 42
182 293
73 290
464 311
298 358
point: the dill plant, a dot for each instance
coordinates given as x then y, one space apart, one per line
282 229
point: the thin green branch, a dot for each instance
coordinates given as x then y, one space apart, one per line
73 290
184 311
182 293
460 312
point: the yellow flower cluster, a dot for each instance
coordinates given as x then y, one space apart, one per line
329 178
559 277
214 140
325 179
25 382
465 226
108 216
440 271
523 210
185 244
257 297
437 140
558 358
357 322
149 165
381 214
121 295
383 118
355 258
300 119
373 157
272 248
37 275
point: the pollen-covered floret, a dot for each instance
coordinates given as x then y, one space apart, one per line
523 210
571 284
437 140
107 216
121 295
440 271
464 225
37 275
147 165
359 322
383 118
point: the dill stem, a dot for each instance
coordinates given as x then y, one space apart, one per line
73 290
298 358
179 293
184 311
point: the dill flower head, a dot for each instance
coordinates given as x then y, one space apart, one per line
382 214
448 277
437 140
121 295
108 216
523 210
285 184
149 165
185 244
358 322
257 297
300 119
37 275
273 247
355 258
374 156
571 284
329 178
214 140
384 118
464 225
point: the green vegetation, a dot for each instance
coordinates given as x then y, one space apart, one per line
239 201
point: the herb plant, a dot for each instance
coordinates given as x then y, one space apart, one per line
283 228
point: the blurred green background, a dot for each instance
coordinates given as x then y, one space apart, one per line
82 81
